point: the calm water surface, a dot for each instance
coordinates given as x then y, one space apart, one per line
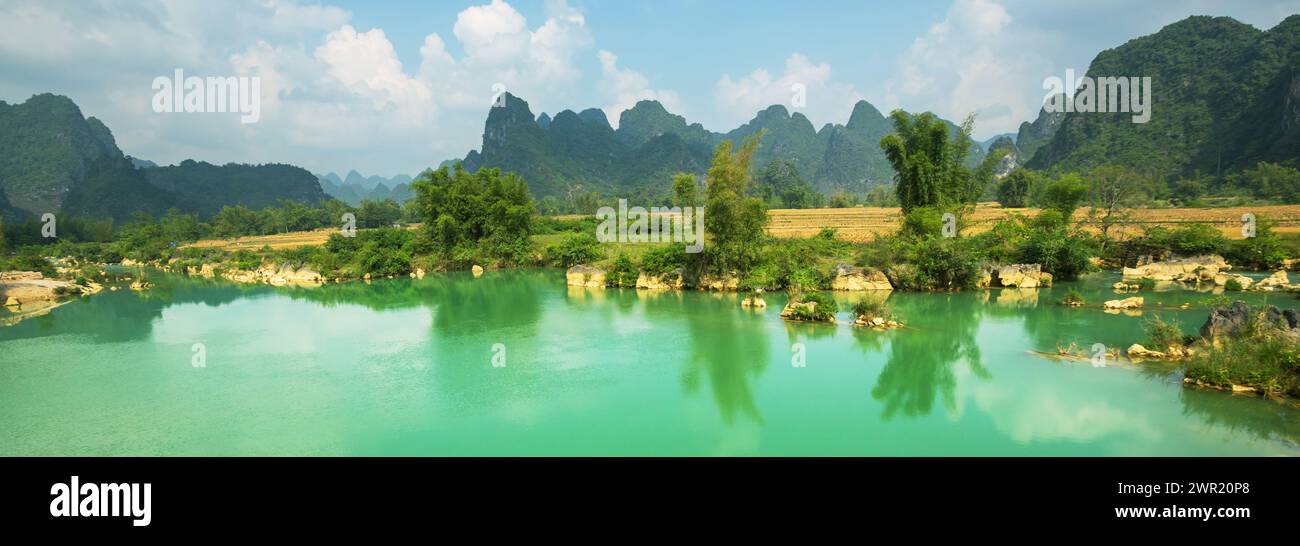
405 367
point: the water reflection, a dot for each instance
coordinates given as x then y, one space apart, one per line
728 351
920 364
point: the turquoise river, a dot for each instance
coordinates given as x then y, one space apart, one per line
516 363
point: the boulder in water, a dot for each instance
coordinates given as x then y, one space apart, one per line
847 277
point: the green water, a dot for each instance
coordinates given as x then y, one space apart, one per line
405 367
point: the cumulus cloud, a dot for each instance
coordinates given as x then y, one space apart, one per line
325 83
366 64
625 87
824 99
974 61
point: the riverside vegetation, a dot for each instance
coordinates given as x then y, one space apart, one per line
458 220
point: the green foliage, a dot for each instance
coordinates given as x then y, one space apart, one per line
873 308
1072 297
1013 189
1064 194
780 186
1162 335
1162 243
937 264
1264 251
487 214
823 311
1268 181
1232 285
1060 251
685 190
928 164
574 249
734 221
660 260
1224 117
922 222
1269 363
373 214
623 273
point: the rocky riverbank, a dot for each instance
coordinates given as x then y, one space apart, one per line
28 293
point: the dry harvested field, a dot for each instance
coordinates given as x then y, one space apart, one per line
860 224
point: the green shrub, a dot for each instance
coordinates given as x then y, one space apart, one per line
872 307
1270 364
943 264
1163 335
660 260
574 249
622 273
823 311
1232 285
1146 283
1072 297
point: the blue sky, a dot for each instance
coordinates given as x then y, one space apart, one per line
392 87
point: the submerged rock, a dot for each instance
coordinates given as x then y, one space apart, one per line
1277 280
879 323
852 278
808 307
1138 351
1243 281
585 275
1126 303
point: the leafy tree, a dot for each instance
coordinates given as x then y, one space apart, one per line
574 249
1064 194
842 199
375 214
685 192
1114 189
928 165
623 273
734 220
1270 181
1013 190
487 214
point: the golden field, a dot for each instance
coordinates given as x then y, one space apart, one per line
860 224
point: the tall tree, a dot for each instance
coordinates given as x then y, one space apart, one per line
685 193
928 165
733 219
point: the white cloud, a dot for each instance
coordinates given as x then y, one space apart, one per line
977 60
492 34
366 63
623 88
326 84
826 101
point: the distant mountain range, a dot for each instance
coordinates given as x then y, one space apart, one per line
357 188
581 151
1226 96
53 159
